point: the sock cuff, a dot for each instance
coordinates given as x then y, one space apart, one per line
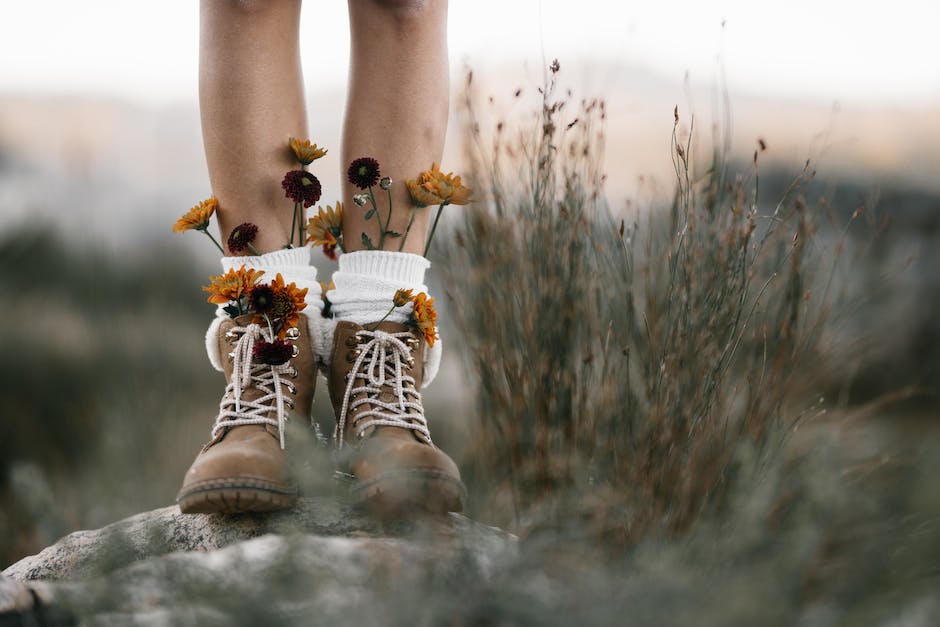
393 267
274 260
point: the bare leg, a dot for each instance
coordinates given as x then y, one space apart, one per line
398 106
251 100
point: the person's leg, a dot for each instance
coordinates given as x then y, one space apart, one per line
251 100
397 106
396 114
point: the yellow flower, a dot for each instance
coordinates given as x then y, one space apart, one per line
306 152
288 303
402 297
425 317
197 217
328 221
433 187
232 285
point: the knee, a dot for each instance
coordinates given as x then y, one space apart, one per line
247 7
404 8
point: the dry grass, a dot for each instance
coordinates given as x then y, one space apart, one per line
622 364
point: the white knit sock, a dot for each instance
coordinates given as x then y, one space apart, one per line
293 264
367 281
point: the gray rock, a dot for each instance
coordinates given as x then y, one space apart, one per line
315 563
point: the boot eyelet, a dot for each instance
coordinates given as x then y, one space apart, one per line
350 358
289 403
295 351
351 341
293 333
290 387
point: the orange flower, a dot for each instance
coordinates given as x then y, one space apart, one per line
197 217
402 297
328 221
433 187
425 317
305 152
232 285
288 303
330 246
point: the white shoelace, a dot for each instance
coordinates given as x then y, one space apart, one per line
380 362
233 410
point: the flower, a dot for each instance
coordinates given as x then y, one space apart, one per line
273 353
288 303
402 297
433 187
241 238
385 183
328 221
232 285
361 199
301 187
363 172
424 317
305 152
329 246
261 300
197 217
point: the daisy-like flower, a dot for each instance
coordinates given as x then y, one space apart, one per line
288 303
242 237
363 172
330 245
232 285
433 187
261 300
402 297
328 221
305 152
385 183
301 187
273 353
424 317
198 217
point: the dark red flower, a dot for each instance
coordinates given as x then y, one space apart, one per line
273 353
364 172
261 299
301 186
241 237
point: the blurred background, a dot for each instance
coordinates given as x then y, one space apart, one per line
107 393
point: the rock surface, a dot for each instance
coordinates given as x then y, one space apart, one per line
319 562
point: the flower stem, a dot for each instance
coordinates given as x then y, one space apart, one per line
376 325
253 250
411 221
437 217
293 226
217 245
375 206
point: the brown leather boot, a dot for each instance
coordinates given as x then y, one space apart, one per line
374 380
243 468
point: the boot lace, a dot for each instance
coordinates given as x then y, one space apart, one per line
235 411
381 364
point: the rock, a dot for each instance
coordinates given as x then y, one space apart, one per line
303 565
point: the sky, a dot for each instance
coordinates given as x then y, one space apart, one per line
855 52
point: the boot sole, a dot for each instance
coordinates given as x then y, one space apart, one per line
407 492
221 496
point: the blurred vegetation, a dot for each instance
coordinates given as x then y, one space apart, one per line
721 411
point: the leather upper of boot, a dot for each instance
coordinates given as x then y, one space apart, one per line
375 376
254 451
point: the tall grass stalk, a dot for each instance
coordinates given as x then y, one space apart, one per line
622 361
